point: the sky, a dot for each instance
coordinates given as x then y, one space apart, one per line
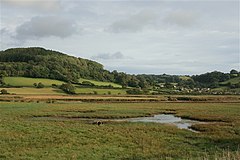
137 37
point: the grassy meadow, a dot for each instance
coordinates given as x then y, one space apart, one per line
56 131
99 83
28 82
56 91
100 91
24 85
232 81
34 91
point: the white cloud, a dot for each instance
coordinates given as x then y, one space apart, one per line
133 23
162 37
182 18
108 56
39 27
39 5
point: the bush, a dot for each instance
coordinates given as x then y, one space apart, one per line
4 91
134 91
54 86
87 83
40 85
68 88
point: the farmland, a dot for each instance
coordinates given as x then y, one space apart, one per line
28 132
34 91
99 83
24 85
28 82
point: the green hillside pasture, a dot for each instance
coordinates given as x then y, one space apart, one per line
225 89
232 81
34 91
184 78
56 131
28 82
99 83
100 91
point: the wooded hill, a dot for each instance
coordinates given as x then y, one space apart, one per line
41 63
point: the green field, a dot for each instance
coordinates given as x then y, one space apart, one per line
184 78
28 82
56 131
56 91
100 91
232 81
35 91
99 83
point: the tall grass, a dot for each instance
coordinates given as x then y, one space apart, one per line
23 136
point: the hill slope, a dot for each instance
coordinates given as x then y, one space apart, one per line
42 63
28 82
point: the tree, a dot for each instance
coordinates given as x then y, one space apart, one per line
68 88
40 85
4 91
168 85
233 71
134 91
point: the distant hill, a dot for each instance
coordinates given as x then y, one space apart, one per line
235 80
41 63
38 62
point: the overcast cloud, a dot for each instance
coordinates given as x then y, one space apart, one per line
186 37
39 27
133 23
108 56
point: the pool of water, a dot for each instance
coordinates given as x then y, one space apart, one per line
167 119
159 118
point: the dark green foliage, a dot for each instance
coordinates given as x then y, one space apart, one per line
134 91
211 79
40 85
54 85
68 88
233 71
87 83
168 85
42 63
1 81
4 91
233 86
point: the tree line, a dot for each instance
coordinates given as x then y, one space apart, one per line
38 62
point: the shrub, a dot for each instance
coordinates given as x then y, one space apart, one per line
4 91
134 91
54 85
39 85
68 88
87 83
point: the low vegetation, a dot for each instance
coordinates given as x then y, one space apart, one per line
53 131
99 83
29 82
